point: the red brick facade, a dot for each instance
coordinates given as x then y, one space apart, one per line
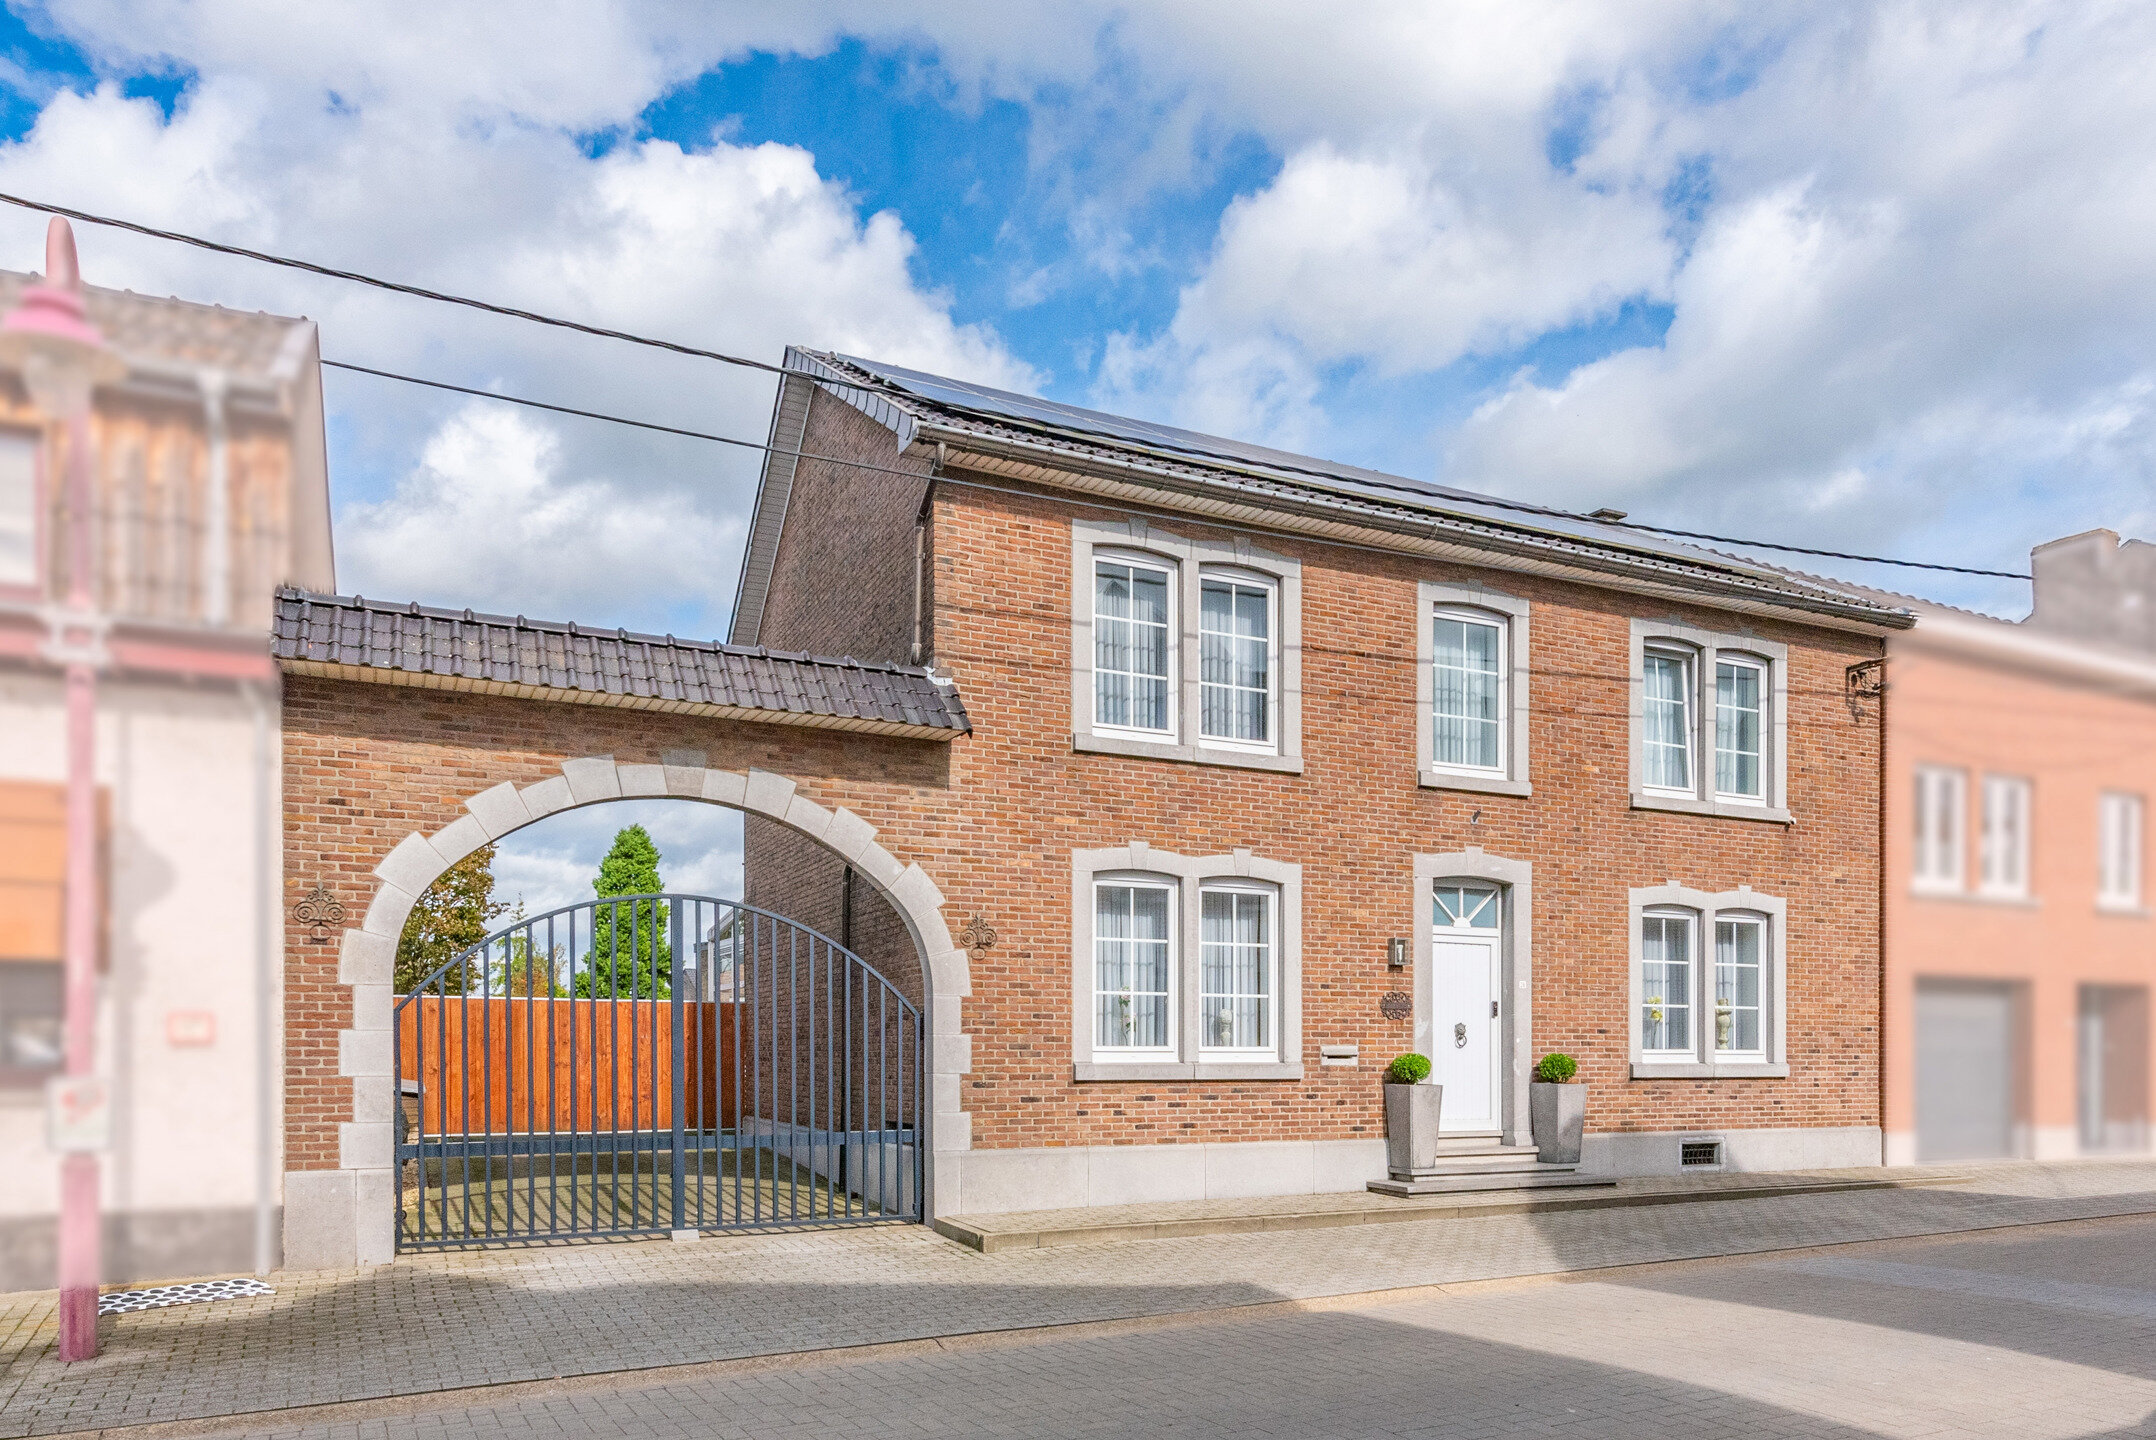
994 819
365 765
1023 800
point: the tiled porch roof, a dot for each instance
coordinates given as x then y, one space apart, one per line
347 637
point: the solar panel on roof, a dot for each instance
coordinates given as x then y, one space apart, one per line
1300 469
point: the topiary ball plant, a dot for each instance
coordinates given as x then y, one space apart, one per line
1409 1069
1557 1068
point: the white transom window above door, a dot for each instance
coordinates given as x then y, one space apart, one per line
1185 967
1471 689
1184 648
1709 715
1707 986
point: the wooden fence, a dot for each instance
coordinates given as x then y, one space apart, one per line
510 1065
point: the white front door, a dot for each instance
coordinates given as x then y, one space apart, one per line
1467 1003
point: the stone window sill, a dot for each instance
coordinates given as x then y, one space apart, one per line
1431 779
1721 809
2121 910
1089 1072
1186 754
1977 897
1719 1070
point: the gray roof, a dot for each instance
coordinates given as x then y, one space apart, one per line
246 344
347 637
1021 431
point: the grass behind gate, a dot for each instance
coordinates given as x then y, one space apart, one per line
555 1198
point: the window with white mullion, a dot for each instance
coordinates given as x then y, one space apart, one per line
2119 851
1133 967
1666 745
2005 859
1133 646
1740 693
1940 827
1235 997
1235 661
19 500
1467 691
1740 976
1666 980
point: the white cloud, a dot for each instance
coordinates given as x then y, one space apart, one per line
456 163
552 862
1376 257
488 520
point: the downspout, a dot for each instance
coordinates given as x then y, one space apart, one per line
1881 868
265 995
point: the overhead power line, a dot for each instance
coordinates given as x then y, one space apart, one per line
915 475
395 286
608 333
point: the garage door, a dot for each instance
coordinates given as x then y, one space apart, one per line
1964 1070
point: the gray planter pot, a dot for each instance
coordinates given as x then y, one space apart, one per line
1411 1127
1560 1114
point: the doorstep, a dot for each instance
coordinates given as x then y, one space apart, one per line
1174 1219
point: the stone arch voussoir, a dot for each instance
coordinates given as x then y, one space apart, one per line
367 958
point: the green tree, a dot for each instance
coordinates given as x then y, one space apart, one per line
526 968
629 953
451 917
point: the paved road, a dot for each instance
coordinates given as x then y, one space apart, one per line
437 1323
2031 1333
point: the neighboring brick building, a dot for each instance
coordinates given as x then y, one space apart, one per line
1250 728
2020 947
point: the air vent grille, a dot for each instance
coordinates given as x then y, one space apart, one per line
1702 1152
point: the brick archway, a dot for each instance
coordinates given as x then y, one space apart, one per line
317 1231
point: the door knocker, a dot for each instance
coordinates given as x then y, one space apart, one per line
1459 1036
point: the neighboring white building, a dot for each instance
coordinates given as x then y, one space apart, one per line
211 489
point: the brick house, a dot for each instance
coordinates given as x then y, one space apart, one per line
2021 757
1279 768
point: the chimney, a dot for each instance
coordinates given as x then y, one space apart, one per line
2096 588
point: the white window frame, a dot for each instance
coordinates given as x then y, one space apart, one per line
1249 580
1738 660
1190 559
1188 1058
1268 895
2003 857
1510 615
1936 868
1688 1002
31 584
1711 985
1701 1060
2120 817
1169 573
1688 667
1123 1054
1706 651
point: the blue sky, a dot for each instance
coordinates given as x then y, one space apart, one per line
1869 277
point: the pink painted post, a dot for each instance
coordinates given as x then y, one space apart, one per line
80 1251
63 357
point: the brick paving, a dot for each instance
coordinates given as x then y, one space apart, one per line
1674 1354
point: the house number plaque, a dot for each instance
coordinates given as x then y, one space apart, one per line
1397 1005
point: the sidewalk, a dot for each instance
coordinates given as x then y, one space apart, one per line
1180 1219
445 1321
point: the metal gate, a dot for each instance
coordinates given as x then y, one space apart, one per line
650 1064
